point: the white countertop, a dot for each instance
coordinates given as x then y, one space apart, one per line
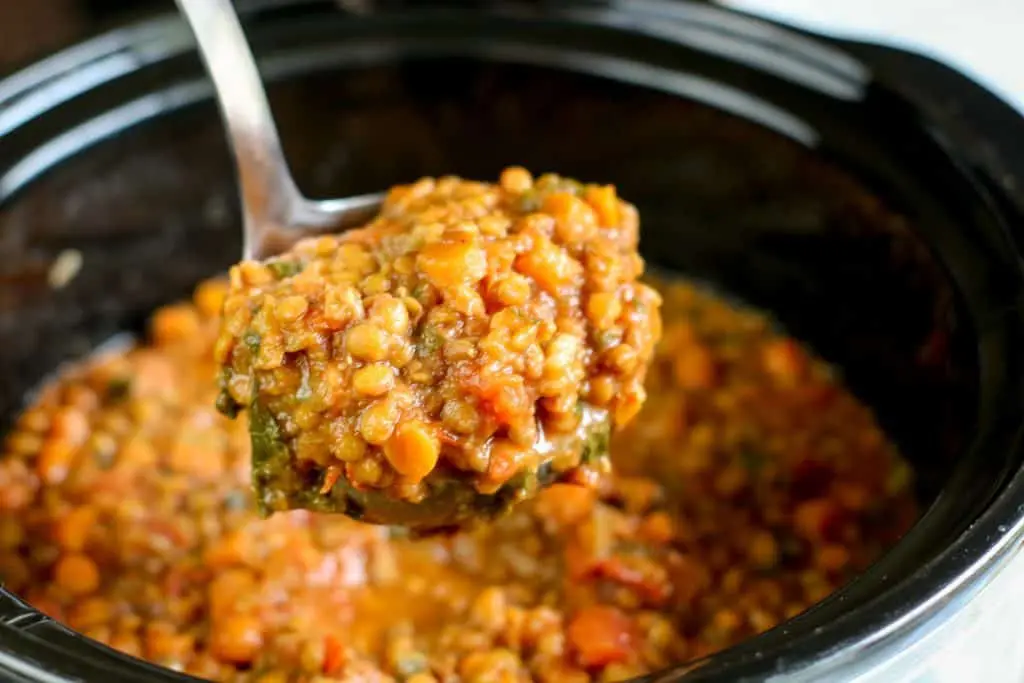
982 38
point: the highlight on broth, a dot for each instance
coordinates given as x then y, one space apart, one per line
750 486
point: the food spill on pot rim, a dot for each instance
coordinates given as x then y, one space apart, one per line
750 486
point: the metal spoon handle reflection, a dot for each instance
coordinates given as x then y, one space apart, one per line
275 214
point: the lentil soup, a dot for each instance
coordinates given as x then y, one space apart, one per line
750 486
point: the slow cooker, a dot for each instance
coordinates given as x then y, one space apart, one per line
744 143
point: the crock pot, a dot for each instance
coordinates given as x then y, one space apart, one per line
870 198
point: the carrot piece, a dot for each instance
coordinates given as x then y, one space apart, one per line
785 361
606 203
819 520
77 574
601 635
565 504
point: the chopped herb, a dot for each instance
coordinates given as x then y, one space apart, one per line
236 500
529 201
408 665
420 292
272 472
595 447
252 341
432 340
227 405
282 268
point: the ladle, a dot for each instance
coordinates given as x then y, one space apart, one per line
275 213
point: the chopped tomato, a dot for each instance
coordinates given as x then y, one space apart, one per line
334 655
649 587
565 504
330 479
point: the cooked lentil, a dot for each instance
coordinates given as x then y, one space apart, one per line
750 486
473 333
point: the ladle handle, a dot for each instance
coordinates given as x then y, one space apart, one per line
269 194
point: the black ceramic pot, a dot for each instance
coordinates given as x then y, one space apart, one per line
870 198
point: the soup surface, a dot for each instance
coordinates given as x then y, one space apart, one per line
750 486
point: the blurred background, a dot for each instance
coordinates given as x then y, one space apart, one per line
31 29
982 42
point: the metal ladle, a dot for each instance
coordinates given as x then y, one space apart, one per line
275 213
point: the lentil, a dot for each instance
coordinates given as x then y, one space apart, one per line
659 564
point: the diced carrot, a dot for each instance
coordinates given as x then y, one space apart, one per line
237 639
833 557
209 296
230 550
694 368
575 220
175 323
784 360
227 588
601 635
565 504
550 266
72 530
77 574
452 263
818 520
657 528
605 202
